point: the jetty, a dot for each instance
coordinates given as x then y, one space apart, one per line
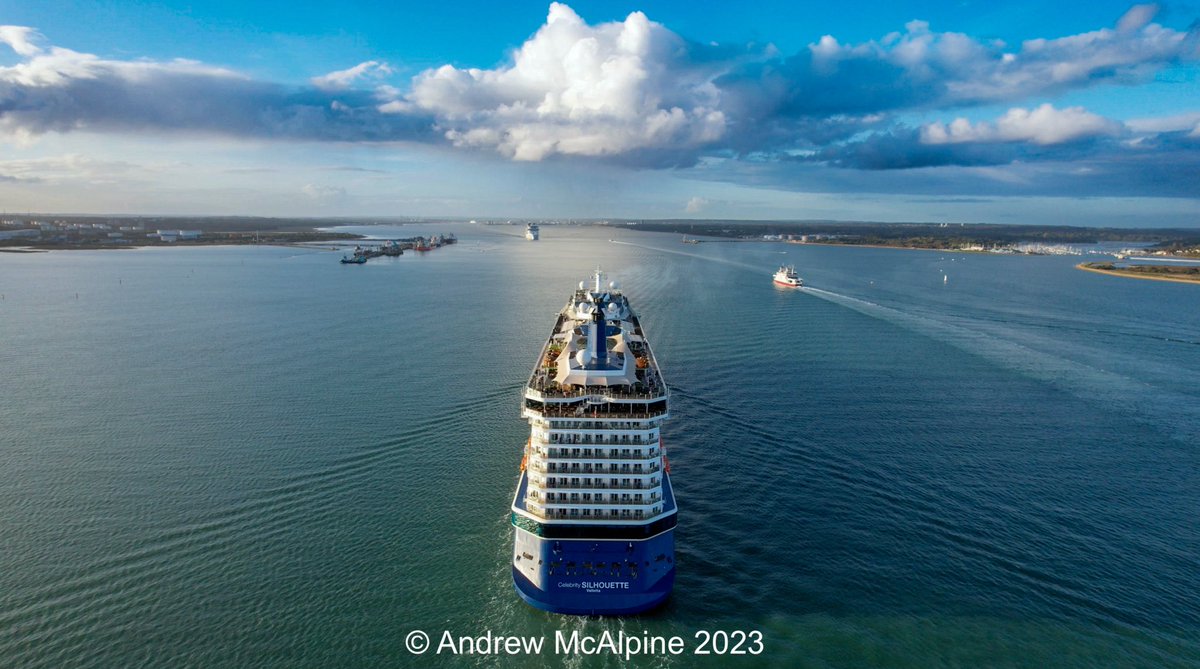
396 247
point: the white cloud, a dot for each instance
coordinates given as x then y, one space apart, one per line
1044 126
342 79
21 39
634 92
696 205
1173 123
577 89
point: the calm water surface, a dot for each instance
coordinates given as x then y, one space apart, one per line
258 457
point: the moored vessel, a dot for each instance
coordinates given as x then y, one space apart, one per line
594 512
532 232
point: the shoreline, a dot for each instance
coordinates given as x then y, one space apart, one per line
1134 275
889 246
131 244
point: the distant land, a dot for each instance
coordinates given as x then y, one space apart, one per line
937 236
1185 274
49 232
79 231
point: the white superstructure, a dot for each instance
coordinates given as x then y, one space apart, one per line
595 402
786 276
594 513
531 232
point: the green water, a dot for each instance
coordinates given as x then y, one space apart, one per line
258 457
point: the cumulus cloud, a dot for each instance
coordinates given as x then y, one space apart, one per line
576 89
1044 125
695 205
636 93
627 89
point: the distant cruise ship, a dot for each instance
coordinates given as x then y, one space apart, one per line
786 276
594 513
531 232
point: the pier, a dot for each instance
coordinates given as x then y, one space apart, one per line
396 247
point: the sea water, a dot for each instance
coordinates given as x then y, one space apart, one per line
259 457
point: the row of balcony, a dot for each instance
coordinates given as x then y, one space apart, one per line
589 498
554 513
598 454
557 424
576 411
590 484
578 468
614 440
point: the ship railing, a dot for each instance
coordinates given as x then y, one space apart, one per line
600 502
553 468
548 485
632 457
648 382
586 440
614 514
599 425
577 412
606 393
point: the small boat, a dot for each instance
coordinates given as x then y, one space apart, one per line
690 241
786 276
356 260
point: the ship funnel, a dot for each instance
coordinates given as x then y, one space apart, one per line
597 340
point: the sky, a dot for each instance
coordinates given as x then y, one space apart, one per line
1018 112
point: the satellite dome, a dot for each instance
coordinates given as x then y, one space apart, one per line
612 285
580 285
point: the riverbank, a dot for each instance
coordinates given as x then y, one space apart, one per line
1151 272
274 238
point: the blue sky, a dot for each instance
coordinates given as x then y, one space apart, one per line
1073 113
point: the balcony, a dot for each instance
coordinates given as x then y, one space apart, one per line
556 500
544 484
597 425
570 454
595 515
597 411
582 439
575 468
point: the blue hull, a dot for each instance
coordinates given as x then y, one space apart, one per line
594 577
592 605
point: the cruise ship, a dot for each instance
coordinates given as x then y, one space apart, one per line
594 513
531 232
